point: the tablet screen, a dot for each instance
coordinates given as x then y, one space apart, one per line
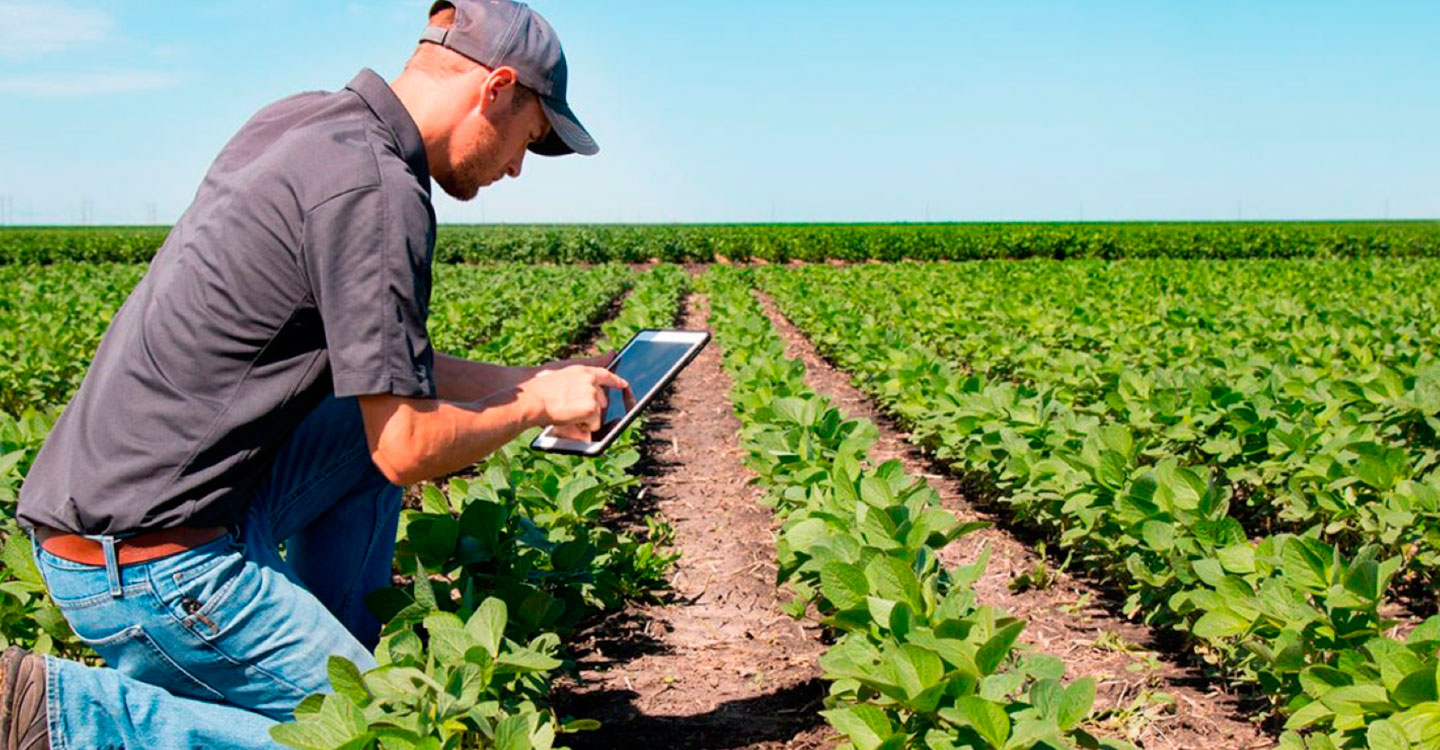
647 363
643 365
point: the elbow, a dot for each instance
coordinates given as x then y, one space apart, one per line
400 471
393 451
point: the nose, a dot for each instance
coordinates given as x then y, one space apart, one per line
513 168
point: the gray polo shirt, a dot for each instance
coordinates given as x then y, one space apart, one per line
301 268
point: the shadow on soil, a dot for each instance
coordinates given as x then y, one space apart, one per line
773 717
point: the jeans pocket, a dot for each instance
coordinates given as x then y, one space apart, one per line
195 589
133 652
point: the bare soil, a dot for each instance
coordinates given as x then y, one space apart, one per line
717 665
1153 698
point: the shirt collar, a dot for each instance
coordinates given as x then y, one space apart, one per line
377 95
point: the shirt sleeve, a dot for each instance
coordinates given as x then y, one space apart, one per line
369 270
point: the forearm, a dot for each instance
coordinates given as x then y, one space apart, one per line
466 381
412 439
424 439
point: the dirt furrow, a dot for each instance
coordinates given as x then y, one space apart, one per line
1148 698
718 665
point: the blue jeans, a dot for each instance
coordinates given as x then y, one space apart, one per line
210 647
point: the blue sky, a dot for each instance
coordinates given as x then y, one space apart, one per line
110 112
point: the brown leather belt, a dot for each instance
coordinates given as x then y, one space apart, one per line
150 545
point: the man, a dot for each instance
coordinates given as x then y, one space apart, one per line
271 381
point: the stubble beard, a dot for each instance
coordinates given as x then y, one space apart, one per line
464 182
470 173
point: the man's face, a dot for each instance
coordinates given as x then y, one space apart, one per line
490 143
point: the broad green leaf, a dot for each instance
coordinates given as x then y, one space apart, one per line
432 501
916 669
995 650
448 639
1417 687
346 680
1237 558
1386 735
1219 624
1304 564
893 579
1158 535
986 718
863 724
1075 705
524 660
844 585
513 733
1356 699
487 625
1308 715
1046 696
424 592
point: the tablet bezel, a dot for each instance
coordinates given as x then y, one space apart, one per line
546 441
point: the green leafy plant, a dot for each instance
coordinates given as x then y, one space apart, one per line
916 662
1250 457
450 683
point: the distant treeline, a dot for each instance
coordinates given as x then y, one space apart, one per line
778 243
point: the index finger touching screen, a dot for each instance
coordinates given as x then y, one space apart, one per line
647 363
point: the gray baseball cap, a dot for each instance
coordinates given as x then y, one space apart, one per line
496 33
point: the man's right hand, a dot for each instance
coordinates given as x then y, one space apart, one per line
413 439
572 399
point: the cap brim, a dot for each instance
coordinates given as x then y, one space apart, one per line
567 135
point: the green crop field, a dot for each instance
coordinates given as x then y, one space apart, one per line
1232 431
780 243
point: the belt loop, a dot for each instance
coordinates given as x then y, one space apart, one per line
112 566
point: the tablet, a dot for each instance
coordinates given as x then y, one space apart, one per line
648 363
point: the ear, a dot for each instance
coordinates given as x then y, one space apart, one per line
498 86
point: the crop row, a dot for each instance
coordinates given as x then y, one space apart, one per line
505 564
815 242
51 320
916 663
523 533
1096 464
56 315
1310 387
